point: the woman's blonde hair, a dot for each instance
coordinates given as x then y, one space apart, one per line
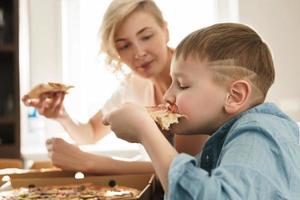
116 13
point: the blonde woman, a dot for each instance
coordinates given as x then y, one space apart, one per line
133 33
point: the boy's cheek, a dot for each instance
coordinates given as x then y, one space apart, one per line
188 106
187 109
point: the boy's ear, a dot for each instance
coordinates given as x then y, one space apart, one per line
238 95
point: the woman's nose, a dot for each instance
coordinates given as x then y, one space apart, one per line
139 52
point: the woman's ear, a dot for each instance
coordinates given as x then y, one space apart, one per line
237 97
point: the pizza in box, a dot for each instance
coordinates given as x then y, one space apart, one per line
86 191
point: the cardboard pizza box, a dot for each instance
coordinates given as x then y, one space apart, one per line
11 173
143 182
42 164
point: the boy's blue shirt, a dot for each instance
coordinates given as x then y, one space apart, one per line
256 155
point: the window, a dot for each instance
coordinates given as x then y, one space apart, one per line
86 70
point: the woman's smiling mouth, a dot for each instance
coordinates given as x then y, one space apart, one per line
145 66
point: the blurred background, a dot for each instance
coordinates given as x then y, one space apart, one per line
58 41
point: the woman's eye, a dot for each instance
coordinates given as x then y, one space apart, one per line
123 47
147 37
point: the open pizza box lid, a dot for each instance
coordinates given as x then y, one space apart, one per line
11 173
143 182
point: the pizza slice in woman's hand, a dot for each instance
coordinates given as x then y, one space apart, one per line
49 87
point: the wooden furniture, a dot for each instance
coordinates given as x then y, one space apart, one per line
42 165
10 163
9 80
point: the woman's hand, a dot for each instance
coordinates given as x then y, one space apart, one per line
130 122
48 104
69 157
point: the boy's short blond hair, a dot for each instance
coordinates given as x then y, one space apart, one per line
244 53
116 13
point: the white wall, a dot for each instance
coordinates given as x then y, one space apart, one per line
40 53
278 22
45 41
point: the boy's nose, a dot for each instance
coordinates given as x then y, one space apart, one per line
169 97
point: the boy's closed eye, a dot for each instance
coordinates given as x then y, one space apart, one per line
182 86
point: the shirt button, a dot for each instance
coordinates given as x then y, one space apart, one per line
207 157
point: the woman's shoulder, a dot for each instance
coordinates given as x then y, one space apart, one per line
141 88
137 83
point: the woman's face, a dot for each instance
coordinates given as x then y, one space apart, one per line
142 44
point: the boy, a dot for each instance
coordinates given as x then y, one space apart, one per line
220 78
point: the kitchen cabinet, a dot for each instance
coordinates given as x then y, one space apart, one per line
9 80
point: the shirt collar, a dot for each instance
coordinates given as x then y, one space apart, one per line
265 108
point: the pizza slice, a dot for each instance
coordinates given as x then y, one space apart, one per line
165 115
39 89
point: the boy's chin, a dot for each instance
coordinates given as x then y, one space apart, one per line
186 129
180 129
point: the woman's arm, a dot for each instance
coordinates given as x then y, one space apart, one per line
51 106
70 157
85 133
107 165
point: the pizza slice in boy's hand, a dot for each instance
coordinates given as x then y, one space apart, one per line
164 115
39 89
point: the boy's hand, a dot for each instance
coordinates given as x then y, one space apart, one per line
130 122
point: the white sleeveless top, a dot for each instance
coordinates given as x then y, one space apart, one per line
134 89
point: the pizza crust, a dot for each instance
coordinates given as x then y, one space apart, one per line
39 89
165 115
